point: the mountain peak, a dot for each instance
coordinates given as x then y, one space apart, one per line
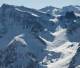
49 7
70 8
6 5
49 10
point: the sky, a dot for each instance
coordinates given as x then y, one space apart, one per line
37 4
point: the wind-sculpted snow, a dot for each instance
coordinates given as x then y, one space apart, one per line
45 38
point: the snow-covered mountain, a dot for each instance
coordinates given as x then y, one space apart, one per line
60 11
42 38
70 8
50 10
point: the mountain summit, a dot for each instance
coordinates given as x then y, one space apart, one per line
50 10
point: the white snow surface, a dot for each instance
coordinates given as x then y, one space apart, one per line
60 45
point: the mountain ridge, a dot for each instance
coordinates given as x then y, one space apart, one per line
31 38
